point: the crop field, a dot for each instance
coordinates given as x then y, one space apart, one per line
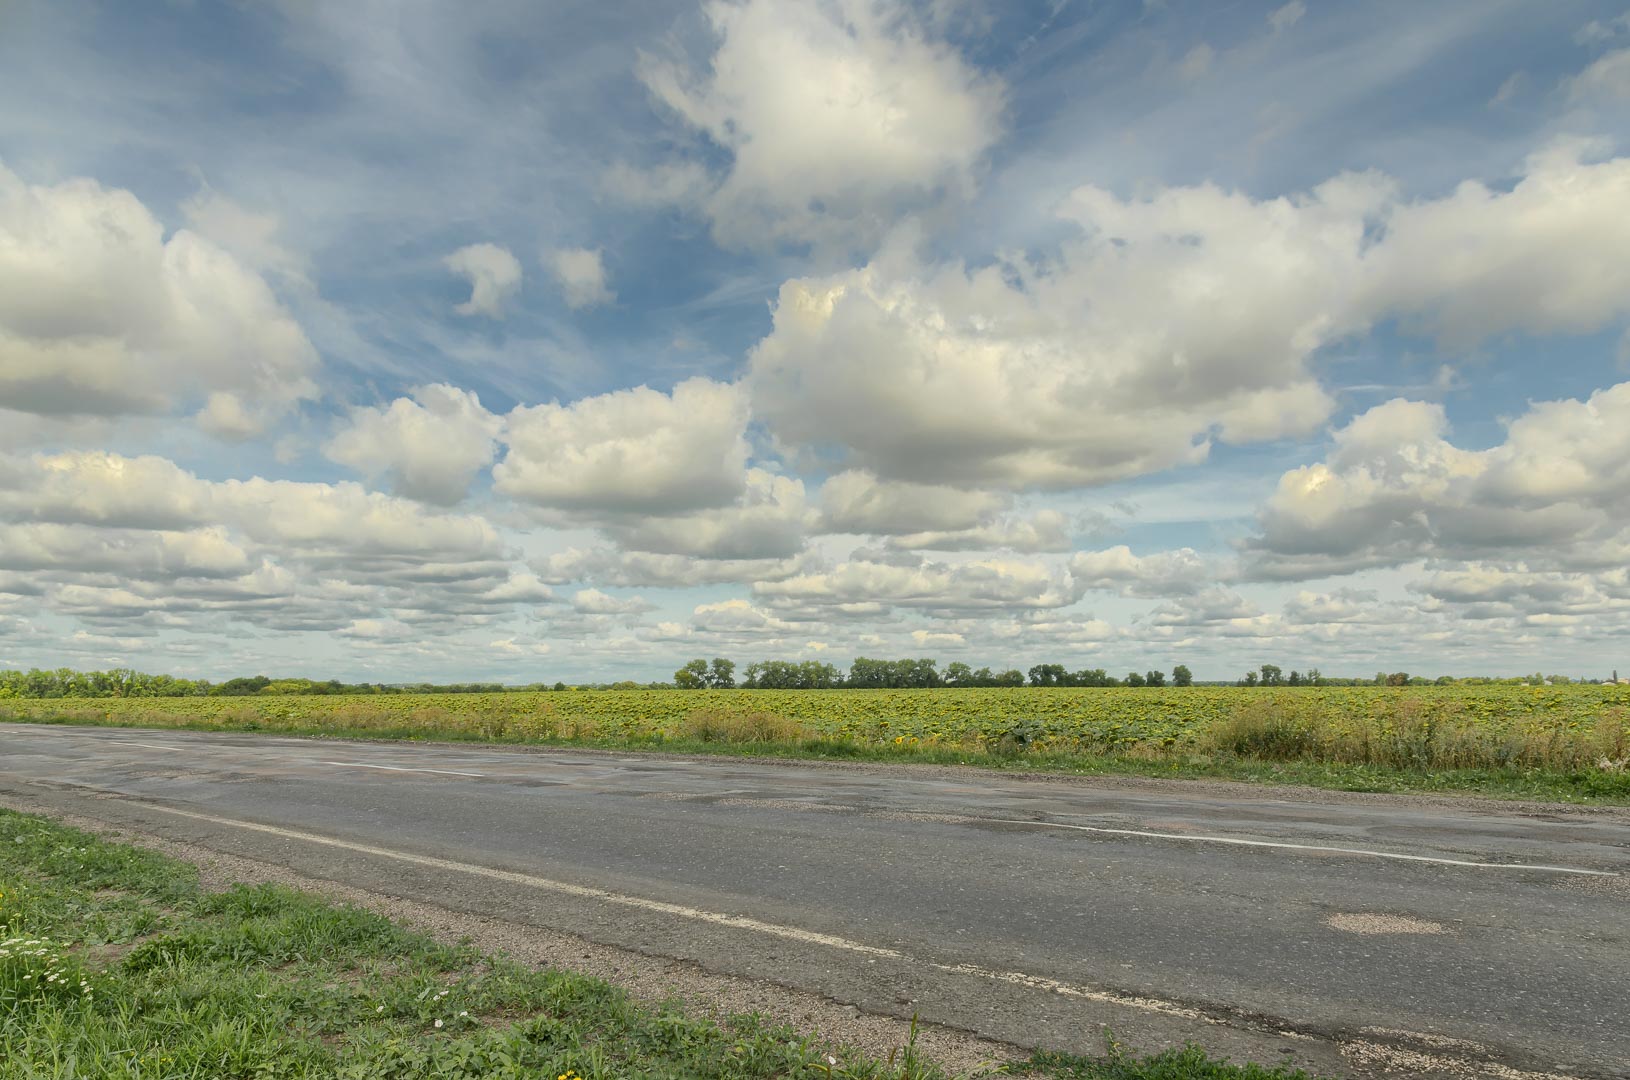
1453 726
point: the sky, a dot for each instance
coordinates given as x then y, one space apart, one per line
404 340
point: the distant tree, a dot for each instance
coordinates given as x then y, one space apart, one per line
1182 676
1155 678
1010 677
1294 678
240 687
1134 679
958 674
1271 675
1314 677
560 686
1398 678
693 676
722 675
1048 675
1250 678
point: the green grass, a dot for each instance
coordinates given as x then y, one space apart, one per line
116 964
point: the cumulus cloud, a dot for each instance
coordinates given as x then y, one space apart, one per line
429 446
769 521
636 451
643 568
1163 574
1211 606
737 617
856 501
836 118
1543 257
494 275
595 602
981 585
102 314
1045 530
581 276
1173 320
104 536
1394 490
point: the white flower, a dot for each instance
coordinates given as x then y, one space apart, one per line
438 1023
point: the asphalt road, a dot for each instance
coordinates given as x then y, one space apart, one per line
1351 935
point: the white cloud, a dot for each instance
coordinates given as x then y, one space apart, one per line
101 314
1599 30
856 501
642 568
1283 18
511 649
1605 80
151 542
635 451
1544 257
837 117
1196 62
581 275
595 602
1213 606
494 275
981 585
1168 573
1045 530
1175 319
770 521
249 235
430 446
737 617
1394 490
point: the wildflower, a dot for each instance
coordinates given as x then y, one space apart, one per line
438 1022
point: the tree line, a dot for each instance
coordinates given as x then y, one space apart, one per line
123 682
866 673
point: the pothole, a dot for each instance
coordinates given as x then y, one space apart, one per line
1367 923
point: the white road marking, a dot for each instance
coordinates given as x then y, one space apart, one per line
1238 842
397 768
586 892
1349 1047
154 746
737 922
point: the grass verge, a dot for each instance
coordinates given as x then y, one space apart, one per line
1239 750
115 963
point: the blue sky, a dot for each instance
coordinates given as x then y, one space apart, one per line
524 341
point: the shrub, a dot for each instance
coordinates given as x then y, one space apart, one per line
720 725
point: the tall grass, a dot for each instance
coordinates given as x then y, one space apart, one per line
1414 734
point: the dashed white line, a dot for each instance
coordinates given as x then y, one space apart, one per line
397 768
1239 842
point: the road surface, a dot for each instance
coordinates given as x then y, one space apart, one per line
1351 935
